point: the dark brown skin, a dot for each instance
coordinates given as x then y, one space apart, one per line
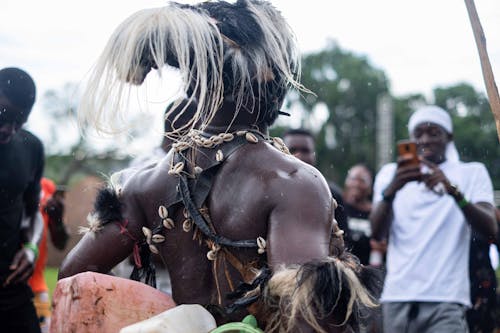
358 188
55 210
259 191
431 144
302 147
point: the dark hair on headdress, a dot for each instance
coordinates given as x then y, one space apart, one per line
178 114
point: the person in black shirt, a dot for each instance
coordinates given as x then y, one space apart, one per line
21 167
358 204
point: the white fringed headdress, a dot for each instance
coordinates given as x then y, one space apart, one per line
216 60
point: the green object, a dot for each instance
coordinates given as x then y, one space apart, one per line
248 325
33 247
462 203
50 274
250 320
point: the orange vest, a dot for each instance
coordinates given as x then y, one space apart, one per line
37 280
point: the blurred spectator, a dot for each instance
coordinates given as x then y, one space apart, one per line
301 144
358 205
429 208
52 209
21 169
483 283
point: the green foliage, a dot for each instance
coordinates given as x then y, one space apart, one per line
68 162
50 274
474 126
349 86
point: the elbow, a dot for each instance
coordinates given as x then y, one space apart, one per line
63 271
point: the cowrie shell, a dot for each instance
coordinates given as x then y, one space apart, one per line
153 249
217 140
219 156
198 170
163 212
261 243
251 138
227 136
147 233
158 238
211 255
279 141
176 169
168 223
180 146
186 225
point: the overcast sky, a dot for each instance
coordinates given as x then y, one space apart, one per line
419 44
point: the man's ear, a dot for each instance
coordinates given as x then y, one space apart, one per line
450 137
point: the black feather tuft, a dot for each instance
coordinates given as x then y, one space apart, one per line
107 206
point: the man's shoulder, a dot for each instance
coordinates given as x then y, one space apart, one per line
387 168
27 144
471 169
279 170
26 137
473 165
150 178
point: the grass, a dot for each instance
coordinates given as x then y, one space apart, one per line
50 274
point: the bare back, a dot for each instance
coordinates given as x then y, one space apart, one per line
258 192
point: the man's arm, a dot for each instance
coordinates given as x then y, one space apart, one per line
306 274
300 225
54 208
31 226
106 244
480 215
381 214
24 260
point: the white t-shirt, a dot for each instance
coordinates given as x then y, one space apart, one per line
428 253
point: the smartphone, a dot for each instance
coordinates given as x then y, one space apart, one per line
408 149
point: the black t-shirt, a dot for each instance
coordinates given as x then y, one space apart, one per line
358 233
21 168
340 214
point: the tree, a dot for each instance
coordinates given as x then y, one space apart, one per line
69 155
349 86
474 127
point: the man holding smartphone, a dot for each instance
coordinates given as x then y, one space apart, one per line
427 210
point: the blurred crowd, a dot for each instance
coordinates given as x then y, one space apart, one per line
427 222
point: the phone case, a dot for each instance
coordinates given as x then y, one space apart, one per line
408 148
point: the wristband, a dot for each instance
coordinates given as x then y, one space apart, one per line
33 247
462 202
388 198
